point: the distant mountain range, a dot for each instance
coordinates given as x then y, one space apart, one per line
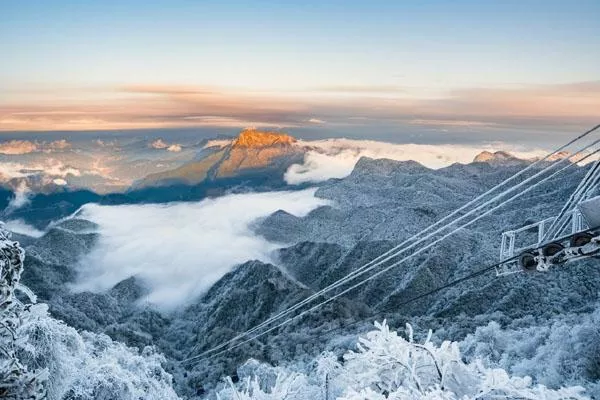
156 171
256 161
120 163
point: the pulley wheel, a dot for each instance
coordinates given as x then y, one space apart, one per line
552 249
581 239
527 261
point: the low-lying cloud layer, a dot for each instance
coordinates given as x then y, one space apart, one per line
22 193
51 168
160 144
181 249
21 227
336 158
9 170
218 143
24 179
19 147
16 147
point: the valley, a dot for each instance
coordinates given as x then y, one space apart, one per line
380 204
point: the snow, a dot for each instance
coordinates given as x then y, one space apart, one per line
386 365
42 358
17 380
89 365
566 348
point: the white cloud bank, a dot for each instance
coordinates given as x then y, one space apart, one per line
160 144
181 249
21 227
218 143
51 167
336 158
22 193
9 170
20 147
52 171
17 147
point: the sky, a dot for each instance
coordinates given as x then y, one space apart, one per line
360 66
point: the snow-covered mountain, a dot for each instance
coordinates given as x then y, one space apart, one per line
515 322
42 181
262 153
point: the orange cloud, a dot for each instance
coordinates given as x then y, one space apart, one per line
449 122
155 106
362 89
577 100
167 89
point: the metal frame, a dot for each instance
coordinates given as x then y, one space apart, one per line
509 238
509 251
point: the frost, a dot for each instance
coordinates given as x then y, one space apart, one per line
17 381
91 366
563 352
388 366
41 357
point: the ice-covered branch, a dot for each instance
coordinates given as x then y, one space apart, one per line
16 381
386 365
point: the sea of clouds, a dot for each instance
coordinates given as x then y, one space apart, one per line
181 249
21 227
50 171
336 158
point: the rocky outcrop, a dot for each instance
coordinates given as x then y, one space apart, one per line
253 138
559 156
253 152
498 157
506 159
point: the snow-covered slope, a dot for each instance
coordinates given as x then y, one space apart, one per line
386 365
377 206
42 358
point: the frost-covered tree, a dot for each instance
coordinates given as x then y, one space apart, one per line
568 348
91 366
16 380
41 357
388 366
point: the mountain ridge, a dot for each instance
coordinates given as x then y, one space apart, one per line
252 137
252 152
372 214
505 157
